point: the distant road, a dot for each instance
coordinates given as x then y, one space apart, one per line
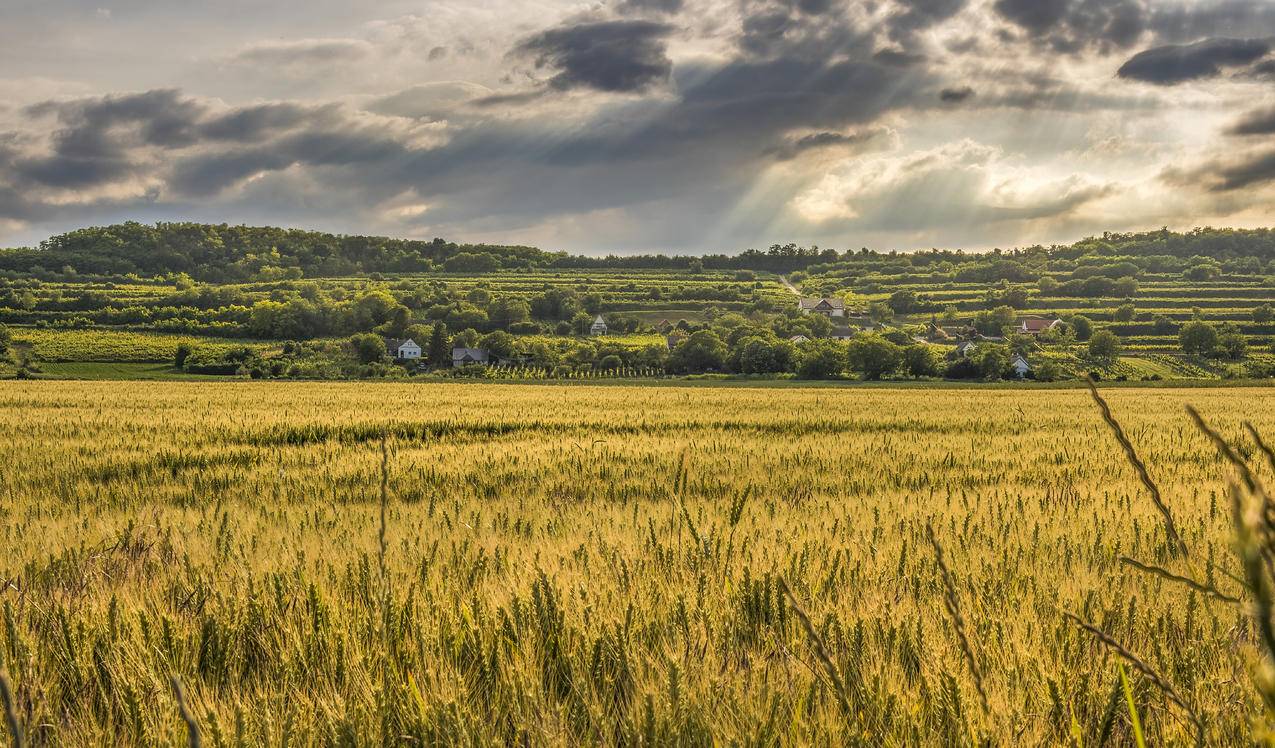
789 286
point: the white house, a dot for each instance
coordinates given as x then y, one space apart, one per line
466 356
599 326
403 349
798 339
828 307
1020 366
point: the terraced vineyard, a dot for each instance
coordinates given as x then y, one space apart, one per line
507 564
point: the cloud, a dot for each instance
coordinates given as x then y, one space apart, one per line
1071 26
956 95
255 123
954 186
441 100
1258 122
912 16
793 147
304 52
1246 171
1173 64
613 56
650 6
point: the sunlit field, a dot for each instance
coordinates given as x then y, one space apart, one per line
488 564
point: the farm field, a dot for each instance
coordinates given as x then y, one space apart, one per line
512 564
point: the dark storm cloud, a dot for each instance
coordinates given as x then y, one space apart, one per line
1264 69
165 117
615 56
794 147
1188 22
649 6
956 95
94 136
254 123
1255 169
1074 25
1177 63
1260 122
104 140
911 16
798 28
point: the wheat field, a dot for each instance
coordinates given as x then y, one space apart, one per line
487 564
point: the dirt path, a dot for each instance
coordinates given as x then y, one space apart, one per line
789 286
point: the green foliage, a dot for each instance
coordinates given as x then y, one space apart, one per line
873 356
368 348
700 352
1104 344
1082 326
821 359
1197 338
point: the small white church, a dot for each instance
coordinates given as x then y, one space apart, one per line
599 326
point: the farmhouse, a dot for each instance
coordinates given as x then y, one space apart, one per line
1020 366
599 326
798 339
841 333
965 348
1035 326
466 356
402 349
829 307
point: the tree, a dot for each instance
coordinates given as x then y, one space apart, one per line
1264 314
471 262
180 354
1125 313
874 356
439 352
763 355
368 348
499 344
6 339
701 351
1231 343
921 360
1164 325
821 359
1082 325
508 310
1104 344
1048 371
994 321
1197 338
902 302
992 361
880 311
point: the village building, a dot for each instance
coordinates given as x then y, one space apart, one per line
1036 326
468 356
402 349
1020 366
829 307
842 333
798 339
599 326
673 339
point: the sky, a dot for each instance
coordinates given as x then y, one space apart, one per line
627 126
